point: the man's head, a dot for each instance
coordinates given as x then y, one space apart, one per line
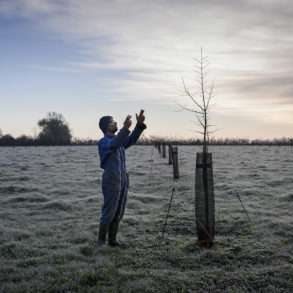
108 124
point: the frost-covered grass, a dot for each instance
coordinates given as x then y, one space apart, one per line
50 199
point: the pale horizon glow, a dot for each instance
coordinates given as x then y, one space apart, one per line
86 59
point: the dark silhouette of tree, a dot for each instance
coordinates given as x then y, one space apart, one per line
24 140
55 130
7 140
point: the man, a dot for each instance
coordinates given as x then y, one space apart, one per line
115 180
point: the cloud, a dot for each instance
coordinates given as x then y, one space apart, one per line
151 45
56 69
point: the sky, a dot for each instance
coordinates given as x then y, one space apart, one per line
90 58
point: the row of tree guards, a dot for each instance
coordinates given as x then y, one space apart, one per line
172 156
204 191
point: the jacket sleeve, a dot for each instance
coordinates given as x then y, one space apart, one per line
135 134
108 145
119 139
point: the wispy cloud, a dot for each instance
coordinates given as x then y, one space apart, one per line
151 45
56 69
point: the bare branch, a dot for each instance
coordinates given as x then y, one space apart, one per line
210 94
202 100
196 71
200 132
200 121
205 65
214 131
197 60
191 97
188 109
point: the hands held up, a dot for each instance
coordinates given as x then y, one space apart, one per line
139 118
127 122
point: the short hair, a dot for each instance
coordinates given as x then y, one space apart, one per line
104 123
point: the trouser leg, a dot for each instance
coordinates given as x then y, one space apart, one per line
103 230
113 230
123 199
114 225
111 192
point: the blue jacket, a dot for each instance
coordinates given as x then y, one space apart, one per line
112 149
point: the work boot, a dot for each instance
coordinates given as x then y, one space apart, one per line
113 230
102 234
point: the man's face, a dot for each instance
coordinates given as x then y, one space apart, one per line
112 126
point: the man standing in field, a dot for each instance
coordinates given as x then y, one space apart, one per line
115 179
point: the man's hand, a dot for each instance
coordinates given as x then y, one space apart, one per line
127 122
140 118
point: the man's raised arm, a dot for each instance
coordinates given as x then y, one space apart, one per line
122 137
139 128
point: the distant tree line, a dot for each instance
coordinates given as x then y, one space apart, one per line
55 131
218 141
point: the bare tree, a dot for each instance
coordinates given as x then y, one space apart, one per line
201 100
204 188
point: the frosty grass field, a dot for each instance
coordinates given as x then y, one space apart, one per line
50 199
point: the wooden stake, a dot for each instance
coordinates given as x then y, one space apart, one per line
175 162
170 154
164 150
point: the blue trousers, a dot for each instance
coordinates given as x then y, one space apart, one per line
115 197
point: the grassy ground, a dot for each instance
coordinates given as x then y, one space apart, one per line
49 229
